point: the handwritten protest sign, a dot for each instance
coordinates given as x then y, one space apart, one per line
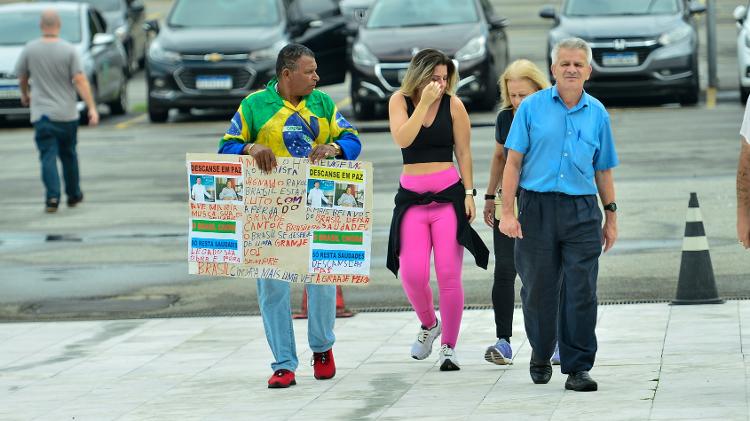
300 223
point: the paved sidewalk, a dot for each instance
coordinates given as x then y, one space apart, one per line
655 361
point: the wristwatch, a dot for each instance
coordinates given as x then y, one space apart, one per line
471 192
336 147
489 197
612 207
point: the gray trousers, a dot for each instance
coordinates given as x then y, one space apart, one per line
558 263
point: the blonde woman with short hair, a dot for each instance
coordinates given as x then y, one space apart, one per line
520 79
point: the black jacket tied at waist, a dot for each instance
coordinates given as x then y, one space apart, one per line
465 235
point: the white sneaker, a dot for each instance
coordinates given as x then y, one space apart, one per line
448 360
422 347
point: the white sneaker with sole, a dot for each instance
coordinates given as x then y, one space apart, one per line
422 347
448 360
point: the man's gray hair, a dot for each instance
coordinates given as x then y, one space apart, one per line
571 44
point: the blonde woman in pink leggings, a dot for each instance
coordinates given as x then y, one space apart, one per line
434 204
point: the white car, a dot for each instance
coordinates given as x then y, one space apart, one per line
743 50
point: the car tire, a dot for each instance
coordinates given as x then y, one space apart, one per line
690 98
157 115
363 110
83 117
120 105
491 96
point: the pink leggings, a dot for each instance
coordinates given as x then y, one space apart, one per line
424 228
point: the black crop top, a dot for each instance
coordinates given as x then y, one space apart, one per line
434 143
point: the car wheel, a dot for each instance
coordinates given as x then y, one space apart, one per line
690 97
491 96
363 110
744 93
83 117
120 105
157 115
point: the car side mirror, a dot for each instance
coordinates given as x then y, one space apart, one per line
548 13
136 8
498 23
103 39
299 26
151 26
696 8
739 14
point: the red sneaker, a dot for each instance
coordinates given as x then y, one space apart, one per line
281 379
323 365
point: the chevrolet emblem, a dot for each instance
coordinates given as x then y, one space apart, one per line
214 57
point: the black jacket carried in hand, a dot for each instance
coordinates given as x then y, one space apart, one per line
465 234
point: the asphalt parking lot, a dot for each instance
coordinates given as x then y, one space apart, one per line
123 252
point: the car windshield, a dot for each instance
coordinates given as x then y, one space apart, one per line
621 7
401 13
20 27
224 13
106 5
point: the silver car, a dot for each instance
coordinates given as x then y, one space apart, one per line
102 55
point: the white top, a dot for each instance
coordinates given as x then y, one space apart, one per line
228 193
745 129
316 198
199 193
347 199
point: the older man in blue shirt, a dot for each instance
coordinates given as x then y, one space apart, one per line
561 154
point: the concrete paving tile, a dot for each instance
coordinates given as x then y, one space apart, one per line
170 366
595 410
698 411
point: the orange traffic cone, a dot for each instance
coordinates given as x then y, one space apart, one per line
341 310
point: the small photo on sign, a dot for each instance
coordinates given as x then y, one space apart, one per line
320 193
349 196
202 188
229 189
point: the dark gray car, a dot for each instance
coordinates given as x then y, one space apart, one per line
641 47
102 55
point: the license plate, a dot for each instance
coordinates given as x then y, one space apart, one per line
213 82
620 59
12 92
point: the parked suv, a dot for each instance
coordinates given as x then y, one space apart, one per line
211 54
125 19
641 47
395 30
102 55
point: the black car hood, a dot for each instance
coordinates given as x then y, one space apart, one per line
448 38
590 28
218 40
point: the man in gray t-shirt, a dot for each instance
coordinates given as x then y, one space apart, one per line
54 67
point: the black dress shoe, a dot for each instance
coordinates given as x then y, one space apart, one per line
540 372
73 201
580 381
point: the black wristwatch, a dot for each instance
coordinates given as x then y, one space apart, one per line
472 192
612 207
489 197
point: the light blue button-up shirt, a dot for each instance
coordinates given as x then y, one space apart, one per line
562 147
